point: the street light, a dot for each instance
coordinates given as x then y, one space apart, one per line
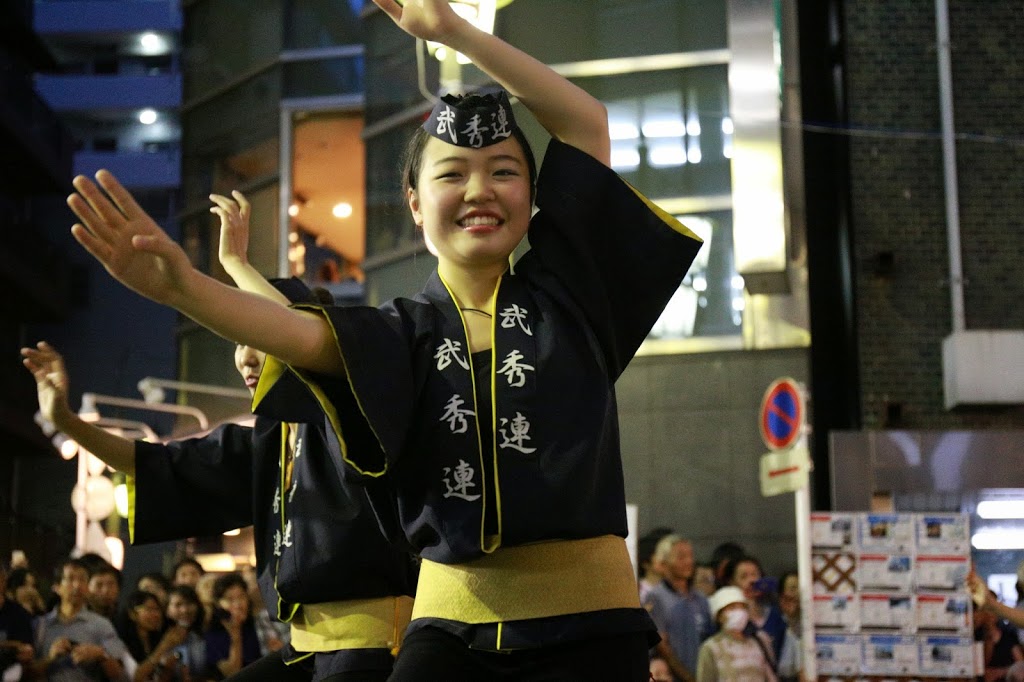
91 400
152 391
481 14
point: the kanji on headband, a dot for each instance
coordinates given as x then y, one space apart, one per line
476 120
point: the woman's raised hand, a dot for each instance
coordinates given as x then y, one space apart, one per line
234 228
433 20
47 367
129 243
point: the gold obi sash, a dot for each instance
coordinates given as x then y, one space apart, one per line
352 624
530 581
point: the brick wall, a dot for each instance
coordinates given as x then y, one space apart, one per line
897 196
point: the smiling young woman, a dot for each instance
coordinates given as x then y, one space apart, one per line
479 413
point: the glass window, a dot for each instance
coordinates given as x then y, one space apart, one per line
710 301
669 129
322 23
328 207
324 77
232 138
226 38
391 80
603 29
388 223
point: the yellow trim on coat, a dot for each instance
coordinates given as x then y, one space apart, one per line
665 216
487 543
274 368
546 579
352 624
129 483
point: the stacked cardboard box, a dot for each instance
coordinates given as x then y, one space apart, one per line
889 597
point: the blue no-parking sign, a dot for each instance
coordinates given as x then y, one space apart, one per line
782 414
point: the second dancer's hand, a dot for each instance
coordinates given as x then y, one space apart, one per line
47 367
234 229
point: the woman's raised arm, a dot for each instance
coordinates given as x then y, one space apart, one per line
137 253
566 111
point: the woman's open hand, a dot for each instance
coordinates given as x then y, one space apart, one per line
129 243
234 228
433 20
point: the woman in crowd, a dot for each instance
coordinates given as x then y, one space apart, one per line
746 574
733 655
480 414
23 587
156 584
789 607
185 611
231 641
141 628
188 571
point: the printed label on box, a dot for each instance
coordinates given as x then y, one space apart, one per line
890 655
886 572
834 572
837 612
838 654
888 612
947 656
942 572
944 612
833 531
886 533
943 534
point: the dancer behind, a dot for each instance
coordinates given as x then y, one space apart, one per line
481 413
348 608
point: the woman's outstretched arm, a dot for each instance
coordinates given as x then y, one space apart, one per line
566 111
47 367
137 253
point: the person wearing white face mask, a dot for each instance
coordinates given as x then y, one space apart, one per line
733 654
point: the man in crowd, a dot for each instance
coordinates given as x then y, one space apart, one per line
15 630
680 613
73 643
104 591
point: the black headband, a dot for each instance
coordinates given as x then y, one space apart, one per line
477 120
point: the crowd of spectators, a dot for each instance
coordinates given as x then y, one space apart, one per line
187 626
718 620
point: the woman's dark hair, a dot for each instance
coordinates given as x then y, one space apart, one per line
18 577
187 561
412 159
188 594
159 578
129 631
729 572
226 582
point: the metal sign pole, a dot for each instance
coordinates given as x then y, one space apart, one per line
802 498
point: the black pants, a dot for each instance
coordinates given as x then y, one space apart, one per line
430 655
271 668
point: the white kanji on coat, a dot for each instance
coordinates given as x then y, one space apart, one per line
286 539
513 315
448 351
458 482
455 415
514 370
515 433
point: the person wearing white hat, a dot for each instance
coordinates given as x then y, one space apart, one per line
732 654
